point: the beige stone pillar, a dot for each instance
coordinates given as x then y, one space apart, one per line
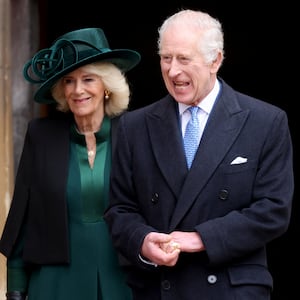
6 144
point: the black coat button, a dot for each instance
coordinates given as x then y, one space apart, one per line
223 194
212 279
166 285
154 198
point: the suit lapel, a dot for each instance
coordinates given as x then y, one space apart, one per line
166 140
224 124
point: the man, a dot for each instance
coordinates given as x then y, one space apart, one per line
200 232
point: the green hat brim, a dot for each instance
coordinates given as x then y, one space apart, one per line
124 59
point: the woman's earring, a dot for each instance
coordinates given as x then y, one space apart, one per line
106 96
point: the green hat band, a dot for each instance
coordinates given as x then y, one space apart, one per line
61 55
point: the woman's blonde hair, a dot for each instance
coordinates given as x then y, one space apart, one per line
114 81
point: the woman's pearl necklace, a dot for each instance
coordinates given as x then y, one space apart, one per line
91 153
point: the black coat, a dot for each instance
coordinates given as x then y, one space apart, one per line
39 198
237 208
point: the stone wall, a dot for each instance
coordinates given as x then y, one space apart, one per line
19 32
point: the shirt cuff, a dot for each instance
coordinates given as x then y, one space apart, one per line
148 262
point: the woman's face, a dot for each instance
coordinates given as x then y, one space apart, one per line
84 92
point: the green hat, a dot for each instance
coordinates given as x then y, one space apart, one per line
69 52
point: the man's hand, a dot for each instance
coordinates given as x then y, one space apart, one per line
160 249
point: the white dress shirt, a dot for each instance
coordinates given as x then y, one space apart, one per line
205 106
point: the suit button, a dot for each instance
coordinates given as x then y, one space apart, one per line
154 198
212 279
223 194
166 285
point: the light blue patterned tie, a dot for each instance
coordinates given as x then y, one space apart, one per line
191 136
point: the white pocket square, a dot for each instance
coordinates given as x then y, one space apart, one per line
239 160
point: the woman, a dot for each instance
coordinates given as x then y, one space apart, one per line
55 240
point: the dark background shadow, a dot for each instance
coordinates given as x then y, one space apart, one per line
260 60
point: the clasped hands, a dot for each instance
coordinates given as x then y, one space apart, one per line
164 249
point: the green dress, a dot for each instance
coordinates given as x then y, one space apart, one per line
94 272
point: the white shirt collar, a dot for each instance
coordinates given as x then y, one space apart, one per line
207 103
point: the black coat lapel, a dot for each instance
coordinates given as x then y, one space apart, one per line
222 129
166 140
